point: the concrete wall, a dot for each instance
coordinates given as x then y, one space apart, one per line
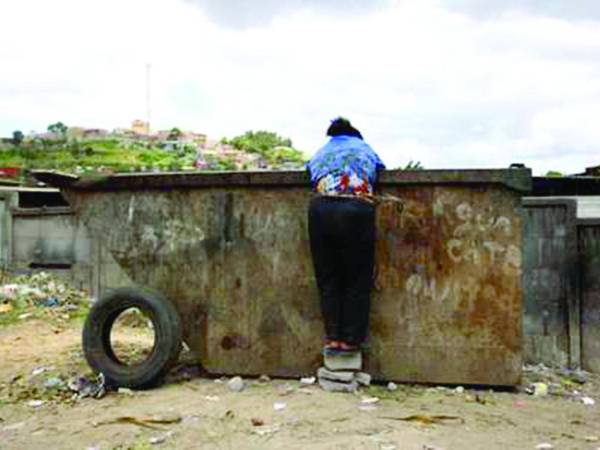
589 251
53 239
562 282
549 279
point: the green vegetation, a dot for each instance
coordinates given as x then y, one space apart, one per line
258 141
273 148
554 173
91 155
58 128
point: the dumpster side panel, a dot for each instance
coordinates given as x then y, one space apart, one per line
448 301
589 247
236 263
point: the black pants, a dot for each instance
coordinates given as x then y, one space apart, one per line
342 241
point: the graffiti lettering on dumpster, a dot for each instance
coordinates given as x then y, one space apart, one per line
478 239
447 294
460 251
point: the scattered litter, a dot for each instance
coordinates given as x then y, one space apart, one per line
35 403
87 388
427 419
53 383
39 290
211 398
264 379
279 406
125 391
459 390
481 399
431 447
9 291
588 401
236 384
40 370
388 447
519 404
221 380
307 381
544 446
256 422
51 302
150 422
160 439
537 389
391 386
591 438
285 389
368 403
264 430
229 414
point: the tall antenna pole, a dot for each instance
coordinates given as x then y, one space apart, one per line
148 67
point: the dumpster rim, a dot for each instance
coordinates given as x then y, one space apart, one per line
519 180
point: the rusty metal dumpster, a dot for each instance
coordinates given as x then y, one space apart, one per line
231 251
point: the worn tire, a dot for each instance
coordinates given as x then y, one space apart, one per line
167 340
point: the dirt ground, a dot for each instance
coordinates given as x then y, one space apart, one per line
203 413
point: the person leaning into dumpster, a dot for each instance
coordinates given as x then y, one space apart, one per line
341 222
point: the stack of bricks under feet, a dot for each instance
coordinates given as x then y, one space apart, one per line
342 371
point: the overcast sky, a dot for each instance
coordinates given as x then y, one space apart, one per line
450 83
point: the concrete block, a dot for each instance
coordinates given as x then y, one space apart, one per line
343 361
335 386
363 378
340 375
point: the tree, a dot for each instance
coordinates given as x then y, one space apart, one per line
58 128
272 148
554 173
259 142
175 134
18 137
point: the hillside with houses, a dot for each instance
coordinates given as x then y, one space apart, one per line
138 148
